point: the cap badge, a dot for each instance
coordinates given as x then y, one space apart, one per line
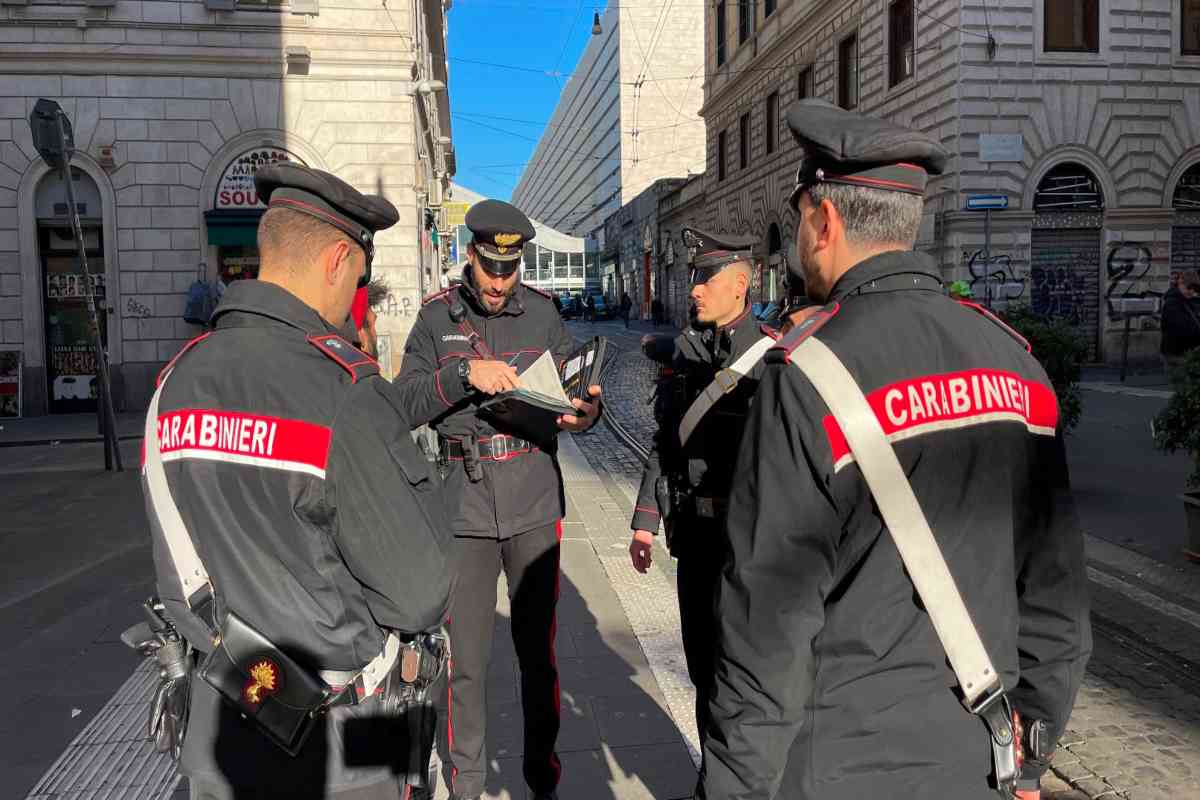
263 682
506 239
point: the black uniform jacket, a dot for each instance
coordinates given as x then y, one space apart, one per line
519 493
705 465
831 680
318 519
1180 323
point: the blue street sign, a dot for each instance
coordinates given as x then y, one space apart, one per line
986 202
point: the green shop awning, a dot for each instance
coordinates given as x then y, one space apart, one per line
229 227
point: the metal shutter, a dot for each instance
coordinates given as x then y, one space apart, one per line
1065 280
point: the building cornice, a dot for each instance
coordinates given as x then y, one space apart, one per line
198 62
776 49
83 18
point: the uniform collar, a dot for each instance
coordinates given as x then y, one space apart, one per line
886 265
732 326
263 299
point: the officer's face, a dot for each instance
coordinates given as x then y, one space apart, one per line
810 250
343 264
721 298
494 290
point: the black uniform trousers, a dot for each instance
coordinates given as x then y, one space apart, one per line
699 547
530 562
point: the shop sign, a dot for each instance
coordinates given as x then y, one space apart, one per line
456 213
10 383
71 286
235 190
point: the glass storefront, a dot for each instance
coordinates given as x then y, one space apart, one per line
70 352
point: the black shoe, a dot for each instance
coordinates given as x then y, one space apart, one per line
548 796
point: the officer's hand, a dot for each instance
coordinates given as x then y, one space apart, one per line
578 423
639 550
492 377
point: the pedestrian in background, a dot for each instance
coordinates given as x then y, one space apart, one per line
656 311
832 681
626 307
1180 321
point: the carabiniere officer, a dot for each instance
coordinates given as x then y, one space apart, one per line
468 342
325 529
702 399
832 681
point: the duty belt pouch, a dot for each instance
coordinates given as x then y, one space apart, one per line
281 698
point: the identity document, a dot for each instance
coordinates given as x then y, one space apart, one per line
531 411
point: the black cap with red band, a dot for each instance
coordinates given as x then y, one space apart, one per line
327 198
499 232
843 147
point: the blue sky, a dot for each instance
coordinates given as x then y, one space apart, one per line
498 115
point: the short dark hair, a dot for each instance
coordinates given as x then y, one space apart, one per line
293 237
873 216
377 292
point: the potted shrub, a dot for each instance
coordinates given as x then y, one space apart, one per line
1060 350
1177 427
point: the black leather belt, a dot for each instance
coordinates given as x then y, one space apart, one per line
353 694
491 448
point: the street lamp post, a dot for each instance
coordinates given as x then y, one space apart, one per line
54 140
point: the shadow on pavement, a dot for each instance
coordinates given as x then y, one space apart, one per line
616 739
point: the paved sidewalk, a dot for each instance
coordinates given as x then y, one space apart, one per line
620 737
65 428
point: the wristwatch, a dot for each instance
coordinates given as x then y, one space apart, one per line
464 372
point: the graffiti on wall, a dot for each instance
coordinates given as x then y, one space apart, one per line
993 280
1062 281
397 307
1128 265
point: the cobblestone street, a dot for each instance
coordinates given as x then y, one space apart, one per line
1135 731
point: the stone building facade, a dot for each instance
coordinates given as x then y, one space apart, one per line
1080 115
627 117
174 105
632 263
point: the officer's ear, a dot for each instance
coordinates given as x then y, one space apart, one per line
336 260
828 224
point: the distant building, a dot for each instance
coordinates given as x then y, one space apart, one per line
553 262
174 106
627 117
1081 116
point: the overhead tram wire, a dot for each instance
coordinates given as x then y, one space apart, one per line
566 41
581 154
774 68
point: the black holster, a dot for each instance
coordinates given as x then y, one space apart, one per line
409 694
470 447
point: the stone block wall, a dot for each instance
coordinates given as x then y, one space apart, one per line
177 92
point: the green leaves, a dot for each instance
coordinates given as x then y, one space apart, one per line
1061 352
1177 427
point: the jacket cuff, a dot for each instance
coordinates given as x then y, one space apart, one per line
645 519
450 388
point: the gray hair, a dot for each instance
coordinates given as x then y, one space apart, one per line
873 216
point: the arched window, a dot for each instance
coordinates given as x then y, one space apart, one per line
1187 191
1069 187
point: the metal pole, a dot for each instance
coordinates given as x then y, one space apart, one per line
1125 349
104 393
987 257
